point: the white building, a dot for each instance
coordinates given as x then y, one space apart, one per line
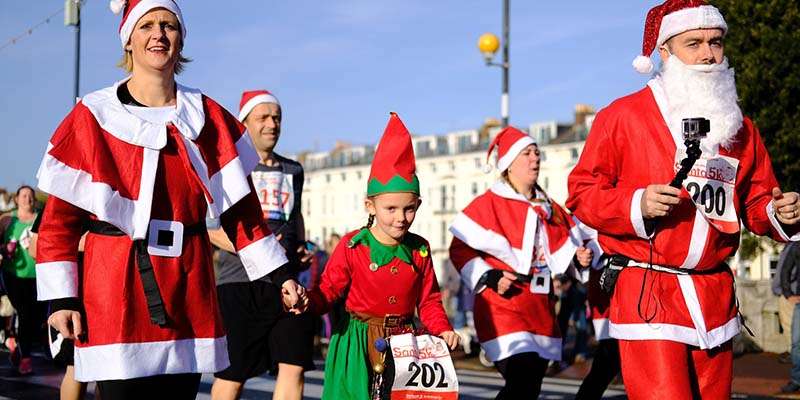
450 169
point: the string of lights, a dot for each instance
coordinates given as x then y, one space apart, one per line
14 40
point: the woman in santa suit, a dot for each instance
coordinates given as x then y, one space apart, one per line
507 244
140 165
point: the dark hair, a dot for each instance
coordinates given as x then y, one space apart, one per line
370 221
23 187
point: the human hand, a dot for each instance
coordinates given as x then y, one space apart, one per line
584 256
658 200
787 209
506 282
67 322
451 338
304 254
794 299
294 297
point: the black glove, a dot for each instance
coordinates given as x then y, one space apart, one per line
491 278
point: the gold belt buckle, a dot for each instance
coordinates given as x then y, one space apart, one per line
392 321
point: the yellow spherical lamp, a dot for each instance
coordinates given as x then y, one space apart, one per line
488 44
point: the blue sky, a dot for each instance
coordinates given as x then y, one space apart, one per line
338 67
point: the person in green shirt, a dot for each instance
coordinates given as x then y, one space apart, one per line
19 276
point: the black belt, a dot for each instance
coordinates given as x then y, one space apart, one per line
155 304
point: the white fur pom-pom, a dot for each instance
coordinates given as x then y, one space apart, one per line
116 6
487 168
643 65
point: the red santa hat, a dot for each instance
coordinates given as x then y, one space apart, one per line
509 142
252 98
672 18
132 10
394 165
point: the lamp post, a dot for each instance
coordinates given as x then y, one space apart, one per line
488 44
72 17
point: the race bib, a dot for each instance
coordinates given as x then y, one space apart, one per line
711 184
276 192
423 368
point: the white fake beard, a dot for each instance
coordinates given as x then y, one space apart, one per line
703 91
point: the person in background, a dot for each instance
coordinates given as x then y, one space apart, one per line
19 277
262 335
789 270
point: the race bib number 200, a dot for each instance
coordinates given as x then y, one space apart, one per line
423 368
711 184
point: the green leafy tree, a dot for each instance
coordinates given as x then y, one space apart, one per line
763 45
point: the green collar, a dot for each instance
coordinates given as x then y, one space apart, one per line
382 254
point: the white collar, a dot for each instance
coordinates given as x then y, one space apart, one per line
189 117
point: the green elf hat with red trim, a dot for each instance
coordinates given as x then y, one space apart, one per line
394 166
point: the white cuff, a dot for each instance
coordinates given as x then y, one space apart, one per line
777 225
472 272
262 257
56 280
636 215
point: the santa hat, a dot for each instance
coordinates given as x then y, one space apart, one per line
672 18
393 167
132 10
509 142
252 98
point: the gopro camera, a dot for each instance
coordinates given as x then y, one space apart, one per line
695 128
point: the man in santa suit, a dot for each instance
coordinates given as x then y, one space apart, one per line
140 165
674 309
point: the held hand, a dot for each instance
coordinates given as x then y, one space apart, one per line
305 255
451 338
794 299
658 200
67 322
787 209
294 296
584 256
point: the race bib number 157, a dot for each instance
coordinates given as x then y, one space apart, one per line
423 368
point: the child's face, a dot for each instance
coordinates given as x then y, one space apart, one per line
394 213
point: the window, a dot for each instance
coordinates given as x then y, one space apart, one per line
542 156
574 154
443 191
327 178
478 163
344 176
546 182
452 165
444 234
433 167
358 174
474 188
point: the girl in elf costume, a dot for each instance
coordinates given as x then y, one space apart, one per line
383 271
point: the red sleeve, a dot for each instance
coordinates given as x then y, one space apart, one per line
469 263
429 302
259 250
336 278
57 250
758 213
593 193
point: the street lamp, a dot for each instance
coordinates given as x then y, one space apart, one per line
72 17
488 44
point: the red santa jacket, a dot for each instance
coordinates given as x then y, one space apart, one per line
107 164
394 288
631 147
497 230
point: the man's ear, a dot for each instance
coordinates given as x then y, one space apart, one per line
664 52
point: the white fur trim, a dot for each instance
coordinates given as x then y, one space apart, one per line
601 326
135 360
777 224
675 333
475 236
697 243
643 64
505 161
144 204
472 272
252 103
507 345
115 119
56 280
703 17
143 8
262 257
117 6
637 220
693 305
230 184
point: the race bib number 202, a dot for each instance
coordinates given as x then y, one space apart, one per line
423 368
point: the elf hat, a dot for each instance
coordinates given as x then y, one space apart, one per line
252 98
394 166
509 142
671 18
132 10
